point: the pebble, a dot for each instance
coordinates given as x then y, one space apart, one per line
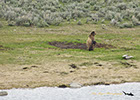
3 93
127 57
73 66
75 85
62 86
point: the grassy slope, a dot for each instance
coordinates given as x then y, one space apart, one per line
29 44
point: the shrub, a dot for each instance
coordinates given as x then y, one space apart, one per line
96 7
54 19
116 1
111 8
65 15
138 16
19 21
1 25
109 15
114 22
122 6
88 20
27 24
127 14
42 23
95 17
77 14
35 20
118 17
53 12
137 9
132 5
79 22
11 23
101 12
23 21
126 25
135 21
93 2
103 21
109 2
10 15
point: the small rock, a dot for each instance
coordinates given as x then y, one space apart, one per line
73 66
100 65
58 54
25 68
46 72
83 67
62 86
34 66
75 85
3 93
64 73
107 84
104 26
127 57
96 63
127 65
124 56
71 71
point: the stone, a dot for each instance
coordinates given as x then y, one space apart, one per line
62 86
3 93
127 57
25 68
75 85
83 67
34 66
124 56
100 65
73 66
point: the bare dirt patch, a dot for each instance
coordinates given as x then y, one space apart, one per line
63 73
70 45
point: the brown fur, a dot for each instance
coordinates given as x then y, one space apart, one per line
90 41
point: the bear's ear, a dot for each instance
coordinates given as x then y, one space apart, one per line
93 33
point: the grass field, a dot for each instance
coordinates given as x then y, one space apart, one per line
22 47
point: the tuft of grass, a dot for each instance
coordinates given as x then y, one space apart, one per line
86 64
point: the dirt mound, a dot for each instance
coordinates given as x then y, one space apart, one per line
70 45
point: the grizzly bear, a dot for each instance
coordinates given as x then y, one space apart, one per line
90 41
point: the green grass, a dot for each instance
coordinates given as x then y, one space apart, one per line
29 45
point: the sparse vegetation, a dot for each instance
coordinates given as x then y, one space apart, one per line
1 25
44 13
